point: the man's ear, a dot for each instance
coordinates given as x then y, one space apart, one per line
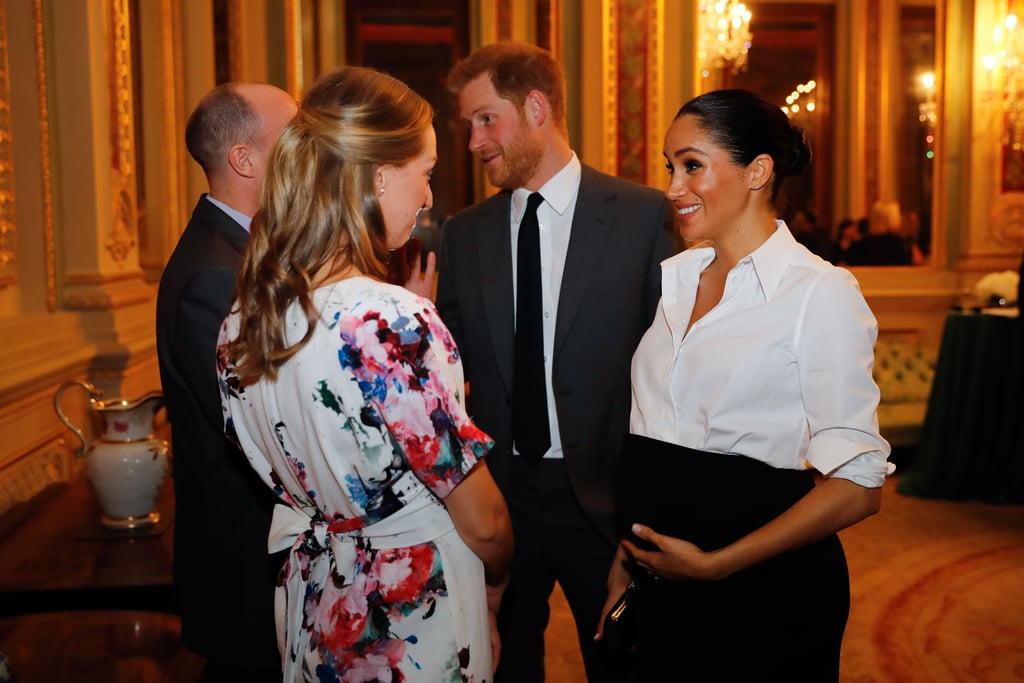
761 170
240 162
536 108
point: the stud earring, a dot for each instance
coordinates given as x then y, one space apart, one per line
380 191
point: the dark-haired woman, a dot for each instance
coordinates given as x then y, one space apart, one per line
754 435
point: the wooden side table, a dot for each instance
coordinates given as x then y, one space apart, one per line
55 555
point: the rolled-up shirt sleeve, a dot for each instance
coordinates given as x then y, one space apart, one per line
835 356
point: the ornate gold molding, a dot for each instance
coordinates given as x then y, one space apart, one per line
122 239
44 156
611 85
172 100
8 257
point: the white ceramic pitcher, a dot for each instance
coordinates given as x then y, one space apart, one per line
127 464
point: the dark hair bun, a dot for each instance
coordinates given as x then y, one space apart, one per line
801 152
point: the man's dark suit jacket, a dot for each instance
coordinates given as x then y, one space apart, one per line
609 293
223 575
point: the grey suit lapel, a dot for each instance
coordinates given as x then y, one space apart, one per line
590 227
494 245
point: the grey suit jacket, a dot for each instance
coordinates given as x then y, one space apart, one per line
610 289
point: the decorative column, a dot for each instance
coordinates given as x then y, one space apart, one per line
95 194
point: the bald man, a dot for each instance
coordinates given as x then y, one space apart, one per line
223 576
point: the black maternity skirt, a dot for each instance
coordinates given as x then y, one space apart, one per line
781 620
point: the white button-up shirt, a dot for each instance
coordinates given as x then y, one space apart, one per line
778 371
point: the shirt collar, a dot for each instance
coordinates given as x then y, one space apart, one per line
773 258
238 216
770 260
558 192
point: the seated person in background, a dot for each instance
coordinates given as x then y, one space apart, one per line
346 394
804 226
911 229
884 244
847 232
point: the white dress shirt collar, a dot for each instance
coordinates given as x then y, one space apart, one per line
770 260
559 192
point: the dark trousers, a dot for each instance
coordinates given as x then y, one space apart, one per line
554 543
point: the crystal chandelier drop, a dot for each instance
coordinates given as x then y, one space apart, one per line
724 35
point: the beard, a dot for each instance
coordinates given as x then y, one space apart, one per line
517 163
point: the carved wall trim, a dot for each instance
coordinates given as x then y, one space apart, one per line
30 475
122 237
8 253
44 156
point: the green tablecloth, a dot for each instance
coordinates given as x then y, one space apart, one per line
972 442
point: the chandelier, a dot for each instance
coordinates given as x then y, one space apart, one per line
723 35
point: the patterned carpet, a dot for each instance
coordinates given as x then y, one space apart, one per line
938 596
946 604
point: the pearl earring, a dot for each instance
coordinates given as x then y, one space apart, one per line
380 191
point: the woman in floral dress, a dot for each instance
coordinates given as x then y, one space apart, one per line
346 395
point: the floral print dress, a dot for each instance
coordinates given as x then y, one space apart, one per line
362 436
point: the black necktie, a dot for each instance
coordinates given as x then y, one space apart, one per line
530 431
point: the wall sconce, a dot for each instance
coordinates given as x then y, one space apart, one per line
724 35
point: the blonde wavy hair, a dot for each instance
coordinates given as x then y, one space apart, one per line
319 214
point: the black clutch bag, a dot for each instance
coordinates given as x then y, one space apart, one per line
620 626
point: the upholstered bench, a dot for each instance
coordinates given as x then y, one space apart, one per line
903 371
